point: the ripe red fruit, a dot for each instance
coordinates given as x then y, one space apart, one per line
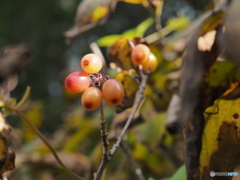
91 63
113 92
91 98
140 54
77 81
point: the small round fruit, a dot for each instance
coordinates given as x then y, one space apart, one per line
140 54
77 81
113 92
91 98
151 64
91 63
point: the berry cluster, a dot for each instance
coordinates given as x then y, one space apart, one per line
95 86
141 55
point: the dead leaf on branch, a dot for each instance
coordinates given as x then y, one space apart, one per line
89 15
7 156
13 59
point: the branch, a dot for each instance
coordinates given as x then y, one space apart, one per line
133 164
137 103
36 131
104 133
139 98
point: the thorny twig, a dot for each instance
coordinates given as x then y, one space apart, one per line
139 98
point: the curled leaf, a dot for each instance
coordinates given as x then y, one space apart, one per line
89 15
12 60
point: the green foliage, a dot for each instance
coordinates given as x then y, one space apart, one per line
138 31
178 23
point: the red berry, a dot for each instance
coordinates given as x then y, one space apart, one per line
113 92
91 98
77 81
140 54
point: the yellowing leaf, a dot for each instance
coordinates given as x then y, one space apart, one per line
130 88
99 12
120 54
221 138
178 23
132 1
222 73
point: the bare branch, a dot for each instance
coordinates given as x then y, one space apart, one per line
139 98
133 164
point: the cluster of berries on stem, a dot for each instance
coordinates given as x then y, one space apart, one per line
93 84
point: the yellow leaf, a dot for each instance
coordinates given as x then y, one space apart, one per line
132 1
99 12
221 138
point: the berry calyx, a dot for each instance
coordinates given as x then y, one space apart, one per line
140 54
77 81
113 92
91 63
91 98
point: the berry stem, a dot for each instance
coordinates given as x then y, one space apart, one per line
39 134
104 133
24 98
139 97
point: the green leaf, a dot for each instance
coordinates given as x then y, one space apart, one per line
151 178
180 174
178 23
138 31
222 73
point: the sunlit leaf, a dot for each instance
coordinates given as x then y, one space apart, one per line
132 1
130 88
120 54
221 136
206 41
138 31
178 23
222 73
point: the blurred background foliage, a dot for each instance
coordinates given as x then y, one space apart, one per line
72 131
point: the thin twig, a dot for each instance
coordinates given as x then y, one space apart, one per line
133 164
24 98
137 103
36 131
139 98
104 133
